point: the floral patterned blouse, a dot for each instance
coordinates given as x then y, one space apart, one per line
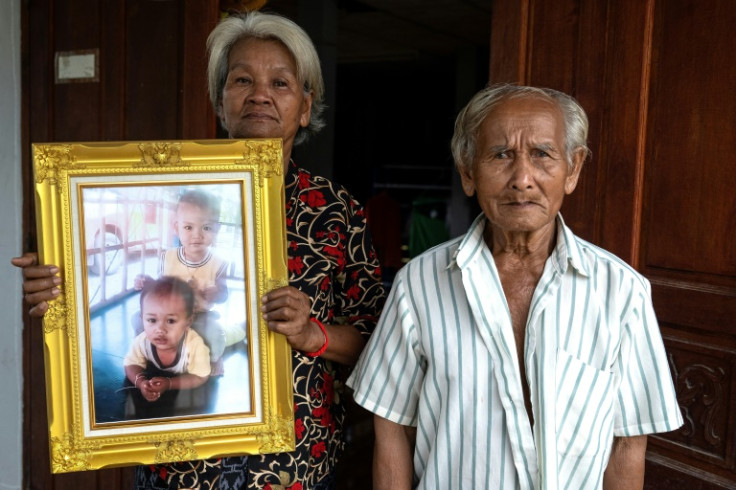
331 259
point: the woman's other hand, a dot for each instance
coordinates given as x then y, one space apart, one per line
40 282
287 311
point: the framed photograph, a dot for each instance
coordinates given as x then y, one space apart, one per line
156 350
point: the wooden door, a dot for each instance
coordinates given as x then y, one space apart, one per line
152 85
657 79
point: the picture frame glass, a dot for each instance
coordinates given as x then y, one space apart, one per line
136 226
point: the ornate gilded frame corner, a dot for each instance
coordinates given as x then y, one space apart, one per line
253 171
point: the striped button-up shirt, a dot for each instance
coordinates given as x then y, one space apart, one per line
443 358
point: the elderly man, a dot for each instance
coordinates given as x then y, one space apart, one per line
518 355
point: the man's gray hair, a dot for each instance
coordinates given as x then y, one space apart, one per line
470 119
268 27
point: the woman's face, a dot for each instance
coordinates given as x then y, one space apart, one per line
262 97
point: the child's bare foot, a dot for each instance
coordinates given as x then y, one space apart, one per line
217 368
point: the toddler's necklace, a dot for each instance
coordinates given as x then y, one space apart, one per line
191 271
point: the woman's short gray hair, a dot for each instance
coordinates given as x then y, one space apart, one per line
261 25
470 119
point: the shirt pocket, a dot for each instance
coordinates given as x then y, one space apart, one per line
584 406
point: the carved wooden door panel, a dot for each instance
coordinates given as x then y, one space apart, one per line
657 79
688 245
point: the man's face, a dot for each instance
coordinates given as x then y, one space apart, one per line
262 97
520 172
165 320
195 227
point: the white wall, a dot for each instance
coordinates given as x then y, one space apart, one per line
11 382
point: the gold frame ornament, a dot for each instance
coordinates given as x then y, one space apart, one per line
251 171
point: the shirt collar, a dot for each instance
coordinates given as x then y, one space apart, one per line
471 245
567 251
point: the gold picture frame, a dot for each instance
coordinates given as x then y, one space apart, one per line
108 213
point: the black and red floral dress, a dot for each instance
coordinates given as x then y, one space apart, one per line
331 259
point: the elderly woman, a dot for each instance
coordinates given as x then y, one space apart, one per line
265 82
518 355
